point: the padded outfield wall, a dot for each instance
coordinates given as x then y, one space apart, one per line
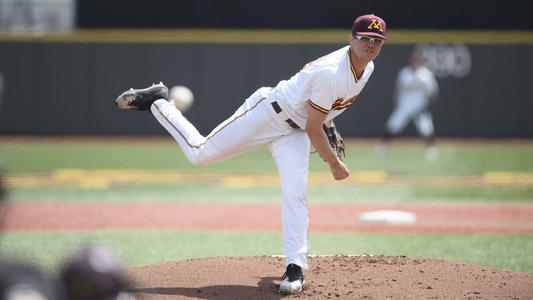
405 14
66 84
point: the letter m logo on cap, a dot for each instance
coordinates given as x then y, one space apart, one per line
369 25
375 24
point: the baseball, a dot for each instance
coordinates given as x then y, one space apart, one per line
182 97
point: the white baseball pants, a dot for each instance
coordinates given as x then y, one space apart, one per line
411 109
254 124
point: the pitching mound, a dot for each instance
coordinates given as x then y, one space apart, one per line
337 277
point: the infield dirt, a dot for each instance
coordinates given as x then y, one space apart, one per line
338 277
335 277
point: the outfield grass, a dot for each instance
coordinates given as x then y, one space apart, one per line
457 161
206 193
459 175
405 158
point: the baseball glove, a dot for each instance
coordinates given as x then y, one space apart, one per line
335 140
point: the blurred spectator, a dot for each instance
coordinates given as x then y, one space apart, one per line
89 273
19 281
37 16
93 273
416 89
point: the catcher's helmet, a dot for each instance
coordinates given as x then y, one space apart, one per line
93 273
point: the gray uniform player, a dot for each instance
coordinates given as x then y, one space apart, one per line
288 119
416 88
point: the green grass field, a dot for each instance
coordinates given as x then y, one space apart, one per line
155 171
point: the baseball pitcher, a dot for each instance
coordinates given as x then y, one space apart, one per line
288 118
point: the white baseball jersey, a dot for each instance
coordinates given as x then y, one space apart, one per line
413 91
416 86
275 117
328 84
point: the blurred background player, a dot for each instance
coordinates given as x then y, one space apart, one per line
416 89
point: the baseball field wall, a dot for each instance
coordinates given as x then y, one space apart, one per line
405 14
66 84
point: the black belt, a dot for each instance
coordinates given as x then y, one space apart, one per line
278 109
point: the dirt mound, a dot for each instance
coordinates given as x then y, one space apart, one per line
334 277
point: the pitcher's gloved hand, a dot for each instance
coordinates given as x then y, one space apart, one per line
335 140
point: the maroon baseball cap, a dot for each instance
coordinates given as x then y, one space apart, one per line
369 25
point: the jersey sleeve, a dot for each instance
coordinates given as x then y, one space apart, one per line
322 94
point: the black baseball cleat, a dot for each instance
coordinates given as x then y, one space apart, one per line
292 281
141 99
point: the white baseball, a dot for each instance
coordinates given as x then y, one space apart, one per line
182 97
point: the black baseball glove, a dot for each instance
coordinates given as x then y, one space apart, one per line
335 140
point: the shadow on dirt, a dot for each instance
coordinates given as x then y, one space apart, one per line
266 289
